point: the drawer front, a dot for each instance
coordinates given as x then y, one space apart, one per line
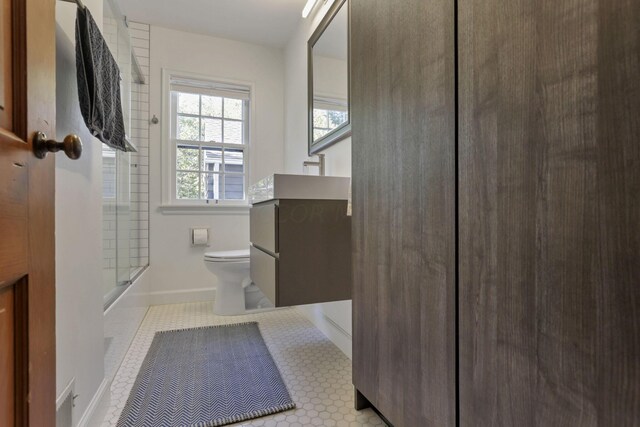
264 273
263 230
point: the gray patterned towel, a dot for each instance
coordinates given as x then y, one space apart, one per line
206 377
98 83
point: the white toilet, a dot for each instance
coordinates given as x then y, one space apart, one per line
232 270
235 293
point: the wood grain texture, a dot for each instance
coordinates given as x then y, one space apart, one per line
264 273
40 115
14 205
403 142
303 253
263 226
549 140
6 65
7 357
314 244
33 102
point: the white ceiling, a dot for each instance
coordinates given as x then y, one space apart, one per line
267 22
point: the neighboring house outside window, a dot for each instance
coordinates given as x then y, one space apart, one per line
209 139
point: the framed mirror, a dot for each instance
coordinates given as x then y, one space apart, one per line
328 79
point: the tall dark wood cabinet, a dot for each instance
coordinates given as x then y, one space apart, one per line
403 124
496 211
549 273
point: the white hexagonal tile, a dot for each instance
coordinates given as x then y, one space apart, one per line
316 372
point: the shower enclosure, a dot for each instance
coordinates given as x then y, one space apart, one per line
125 209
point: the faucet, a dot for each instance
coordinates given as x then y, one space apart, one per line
319 163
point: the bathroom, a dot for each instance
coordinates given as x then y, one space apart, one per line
320 213
147 258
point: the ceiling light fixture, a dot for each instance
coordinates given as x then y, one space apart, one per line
308 7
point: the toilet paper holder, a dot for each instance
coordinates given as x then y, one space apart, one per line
199 236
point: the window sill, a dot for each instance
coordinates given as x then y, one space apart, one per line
204 209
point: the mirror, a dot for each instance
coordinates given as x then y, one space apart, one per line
328 79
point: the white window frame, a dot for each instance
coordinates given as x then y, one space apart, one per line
170 203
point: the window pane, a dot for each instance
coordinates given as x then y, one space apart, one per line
233 132
233 108
187 157
188 103
212 159
234 161
212 130
211 106
188 128
234 187
336 118
187 185
212 188
319 133
320 119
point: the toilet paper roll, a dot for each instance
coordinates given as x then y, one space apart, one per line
200 236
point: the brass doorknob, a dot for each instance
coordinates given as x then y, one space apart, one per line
71 145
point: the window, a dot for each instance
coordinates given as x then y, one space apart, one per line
209 140
328 114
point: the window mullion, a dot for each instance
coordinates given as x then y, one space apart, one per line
200 132
193 116
222 123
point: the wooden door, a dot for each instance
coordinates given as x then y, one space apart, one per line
27 277
403 141
549 142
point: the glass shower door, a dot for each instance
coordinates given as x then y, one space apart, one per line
116 177
125 224
123 219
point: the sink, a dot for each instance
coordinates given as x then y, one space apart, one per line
284 186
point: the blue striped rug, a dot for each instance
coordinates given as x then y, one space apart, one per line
205 377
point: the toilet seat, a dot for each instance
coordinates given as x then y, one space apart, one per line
227 256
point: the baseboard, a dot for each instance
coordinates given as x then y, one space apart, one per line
181 296
341 338
93 415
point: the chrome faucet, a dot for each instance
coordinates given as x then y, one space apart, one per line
319 163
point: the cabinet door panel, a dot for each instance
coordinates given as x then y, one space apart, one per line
264 273
403 122
549 131
263 227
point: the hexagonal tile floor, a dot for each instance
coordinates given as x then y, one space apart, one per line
317 373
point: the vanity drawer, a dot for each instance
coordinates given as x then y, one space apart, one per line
263 226
264 273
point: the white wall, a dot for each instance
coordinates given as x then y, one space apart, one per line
79 312
330 77
334 319
177 270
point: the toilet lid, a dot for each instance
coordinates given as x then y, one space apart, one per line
227 255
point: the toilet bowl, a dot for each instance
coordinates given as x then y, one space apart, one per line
232 270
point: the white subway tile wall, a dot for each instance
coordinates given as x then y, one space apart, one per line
139 134
109 185
139 241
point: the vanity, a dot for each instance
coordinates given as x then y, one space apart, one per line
301 239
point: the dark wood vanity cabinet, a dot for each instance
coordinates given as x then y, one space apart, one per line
549 202
403 142
496 211
301 251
